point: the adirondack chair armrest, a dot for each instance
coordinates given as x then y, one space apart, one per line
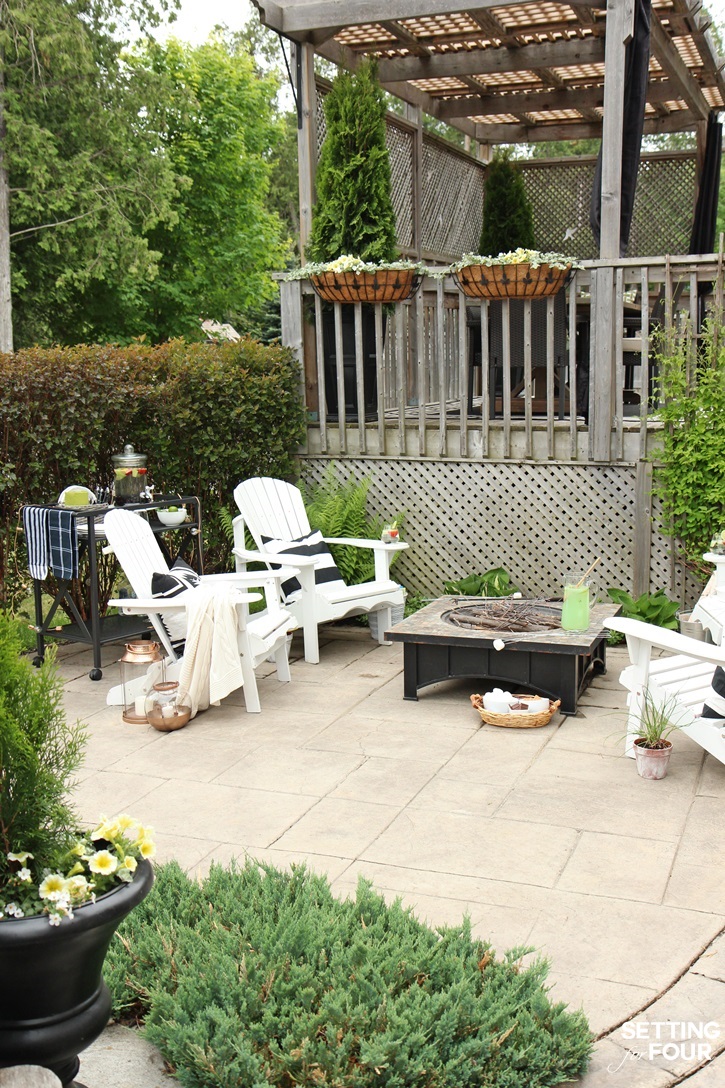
272 557
649 635
144 605
383 552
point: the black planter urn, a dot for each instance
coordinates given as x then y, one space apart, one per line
53 1000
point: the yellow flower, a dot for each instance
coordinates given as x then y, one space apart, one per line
103 862
143 833
77 868
53 886
146 848
130 863
127 825
78 851
107 829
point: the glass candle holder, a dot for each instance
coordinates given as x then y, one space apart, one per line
135 663
164 710
575 609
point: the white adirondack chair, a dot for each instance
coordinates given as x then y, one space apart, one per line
131 538
273 509
683 677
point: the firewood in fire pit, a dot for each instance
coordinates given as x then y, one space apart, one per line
504 616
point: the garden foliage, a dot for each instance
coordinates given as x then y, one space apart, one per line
207 416
508 221
656 608
354 211
256 977
494 583
338 507
688 474
39 751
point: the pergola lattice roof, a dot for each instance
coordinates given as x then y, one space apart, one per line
512 73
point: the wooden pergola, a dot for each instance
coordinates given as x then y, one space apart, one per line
515 73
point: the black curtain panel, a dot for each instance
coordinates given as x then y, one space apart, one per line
702 239
636 72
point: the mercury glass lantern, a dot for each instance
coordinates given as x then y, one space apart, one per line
135 663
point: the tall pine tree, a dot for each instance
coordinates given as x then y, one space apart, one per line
508 221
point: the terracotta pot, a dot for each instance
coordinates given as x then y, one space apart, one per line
511 280
387 285
652 762
53 1000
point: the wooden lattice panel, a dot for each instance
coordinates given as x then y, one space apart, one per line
537 521
560 193
400 152
452 201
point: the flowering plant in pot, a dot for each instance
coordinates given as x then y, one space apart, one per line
520 273
62 892
349 279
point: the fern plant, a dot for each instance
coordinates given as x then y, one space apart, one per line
338 507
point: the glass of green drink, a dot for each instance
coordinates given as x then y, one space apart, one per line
575 610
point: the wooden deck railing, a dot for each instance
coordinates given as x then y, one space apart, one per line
567 378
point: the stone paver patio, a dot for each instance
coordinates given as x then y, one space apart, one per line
545 837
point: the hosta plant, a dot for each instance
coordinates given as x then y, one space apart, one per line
656 608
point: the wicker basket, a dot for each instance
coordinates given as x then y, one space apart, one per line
511 280
385 285
515 721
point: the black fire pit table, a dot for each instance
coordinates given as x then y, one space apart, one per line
551 662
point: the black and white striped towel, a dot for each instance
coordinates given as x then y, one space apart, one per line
35 526
63 542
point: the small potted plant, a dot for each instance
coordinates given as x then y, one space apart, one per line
652 749
62 892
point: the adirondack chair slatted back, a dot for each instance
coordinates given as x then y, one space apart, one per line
136 547
272 508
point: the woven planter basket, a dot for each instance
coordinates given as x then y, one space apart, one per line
515 721
511 280
386 285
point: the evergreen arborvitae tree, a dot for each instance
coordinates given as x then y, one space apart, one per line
354 211
508 221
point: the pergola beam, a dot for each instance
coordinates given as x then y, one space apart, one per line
679 74
488 61
541 101
299 18
542 133
346 58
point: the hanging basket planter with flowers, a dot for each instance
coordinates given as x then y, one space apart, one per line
348 279
522 274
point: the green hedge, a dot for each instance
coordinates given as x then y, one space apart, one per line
207 416
257 977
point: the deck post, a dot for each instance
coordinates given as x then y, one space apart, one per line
306 90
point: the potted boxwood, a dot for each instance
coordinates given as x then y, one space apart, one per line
62 893
353 220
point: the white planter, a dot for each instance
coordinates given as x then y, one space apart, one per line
398 614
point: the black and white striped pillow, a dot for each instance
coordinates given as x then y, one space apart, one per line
326 572
715 703
180 577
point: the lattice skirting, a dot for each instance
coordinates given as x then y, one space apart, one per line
537 521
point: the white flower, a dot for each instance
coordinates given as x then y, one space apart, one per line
22 856
24 875
53 887
54 919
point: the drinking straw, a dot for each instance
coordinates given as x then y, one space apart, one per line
588 572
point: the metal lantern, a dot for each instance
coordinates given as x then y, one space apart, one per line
135 663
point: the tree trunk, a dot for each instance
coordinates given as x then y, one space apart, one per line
6 305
